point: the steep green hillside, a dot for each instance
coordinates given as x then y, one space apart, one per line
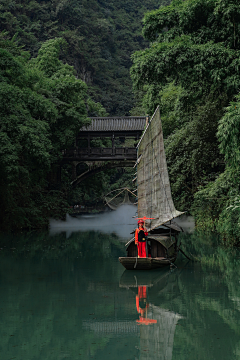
43 103
191 69
101 34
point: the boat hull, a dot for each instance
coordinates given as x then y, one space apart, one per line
133 263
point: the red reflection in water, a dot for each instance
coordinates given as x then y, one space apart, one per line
142 307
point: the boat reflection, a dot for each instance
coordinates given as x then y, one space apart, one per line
157 324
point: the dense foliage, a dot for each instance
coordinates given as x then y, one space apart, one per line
46 47
42 106
101 35
44 102
191 69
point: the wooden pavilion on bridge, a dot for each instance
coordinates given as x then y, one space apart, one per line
121 128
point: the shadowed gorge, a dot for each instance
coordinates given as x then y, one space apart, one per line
105 105
191 70
61 62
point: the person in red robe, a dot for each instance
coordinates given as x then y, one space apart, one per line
140 239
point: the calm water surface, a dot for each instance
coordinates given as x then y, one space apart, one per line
69 298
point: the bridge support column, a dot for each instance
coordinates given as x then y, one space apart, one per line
113 142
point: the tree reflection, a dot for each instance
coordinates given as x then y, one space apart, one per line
60 298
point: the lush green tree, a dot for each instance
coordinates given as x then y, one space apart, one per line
42 107
101 37
217 206
194 49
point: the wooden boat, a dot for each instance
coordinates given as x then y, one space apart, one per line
162 247
154 202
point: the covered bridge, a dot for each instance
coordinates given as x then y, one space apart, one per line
118 129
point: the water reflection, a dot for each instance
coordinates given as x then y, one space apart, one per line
142 306
157 325
70 299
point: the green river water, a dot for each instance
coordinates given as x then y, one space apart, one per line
66 296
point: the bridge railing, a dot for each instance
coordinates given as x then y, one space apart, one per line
129 152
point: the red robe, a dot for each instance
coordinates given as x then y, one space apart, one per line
141 245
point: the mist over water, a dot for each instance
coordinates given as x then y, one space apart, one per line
120 222
187 223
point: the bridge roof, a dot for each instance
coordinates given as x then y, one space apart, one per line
127 123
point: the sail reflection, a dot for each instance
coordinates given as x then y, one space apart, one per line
157 325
